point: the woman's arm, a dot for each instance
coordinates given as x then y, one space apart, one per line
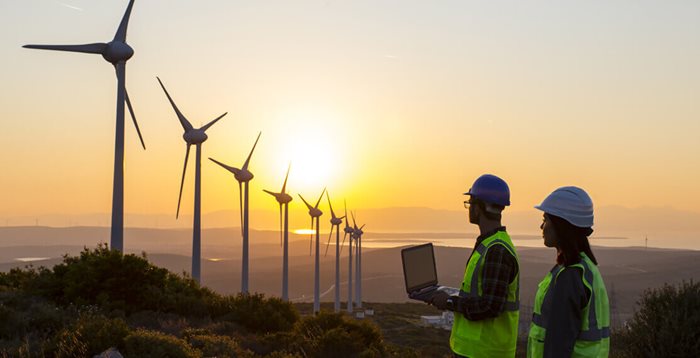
569 297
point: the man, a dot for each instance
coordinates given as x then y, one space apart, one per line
487 308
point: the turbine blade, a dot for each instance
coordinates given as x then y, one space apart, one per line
183 121
284 186
182 182
121 31
133 117
270 192
247 161
240 204
206 126
329 241
231 169
353 220
311 237
341 245
345 203
329 205
97 48
361 227
281 225
307 204
320 197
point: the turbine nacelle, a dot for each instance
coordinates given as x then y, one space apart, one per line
282 198
243 175
336 221
315 212
195 136
349 230
117 51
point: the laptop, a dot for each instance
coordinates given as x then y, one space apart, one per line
420 273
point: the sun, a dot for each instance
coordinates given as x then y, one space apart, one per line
314 146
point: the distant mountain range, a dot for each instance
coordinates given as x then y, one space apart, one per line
665 227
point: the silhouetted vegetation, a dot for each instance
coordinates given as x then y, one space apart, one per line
102 299
666 324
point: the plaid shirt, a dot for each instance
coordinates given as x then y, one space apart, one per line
500 269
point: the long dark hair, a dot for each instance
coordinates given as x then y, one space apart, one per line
571 241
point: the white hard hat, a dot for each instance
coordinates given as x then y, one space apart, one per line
571 204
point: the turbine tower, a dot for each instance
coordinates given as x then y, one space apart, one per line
117 52
196 137
243 176
348 231
335 222
283 199
357 233
315 213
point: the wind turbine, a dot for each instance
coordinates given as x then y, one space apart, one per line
357 233
196 137
348 231
243 176
315 213
335 222
117 52
283 199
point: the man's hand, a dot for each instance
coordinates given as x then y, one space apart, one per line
439 300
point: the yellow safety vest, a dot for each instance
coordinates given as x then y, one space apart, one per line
594 337
494 337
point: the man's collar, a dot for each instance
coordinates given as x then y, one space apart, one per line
486 235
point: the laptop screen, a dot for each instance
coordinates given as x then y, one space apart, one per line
419 267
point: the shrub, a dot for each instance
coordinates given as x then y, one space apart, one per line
152 344
334 334
216 346
666 324
259 314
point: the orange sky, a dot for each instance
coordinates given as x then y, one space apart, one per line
386 103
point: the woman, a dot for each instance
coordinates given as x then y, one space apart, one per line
570 317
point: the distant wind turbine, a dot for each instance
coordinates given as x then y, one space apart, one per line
335 222
117 52
196 137
243 176
315 213
283 199
357 233
348 231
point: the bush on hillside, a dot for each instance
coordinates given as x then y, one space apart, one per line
151 344
115 282
666 324
212 345
90 333
259 314
326 335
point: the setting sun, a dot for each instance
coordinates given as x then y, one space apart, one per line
314 144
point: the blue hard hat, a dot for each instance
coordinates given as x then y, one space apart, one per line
490 189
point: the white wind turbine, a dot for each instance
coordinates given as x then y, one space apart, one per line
315 213
117 52
243 176
283 199
348 231
335 223
357 233
196 137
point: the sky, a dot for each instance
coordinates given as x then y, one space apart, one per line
385 103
